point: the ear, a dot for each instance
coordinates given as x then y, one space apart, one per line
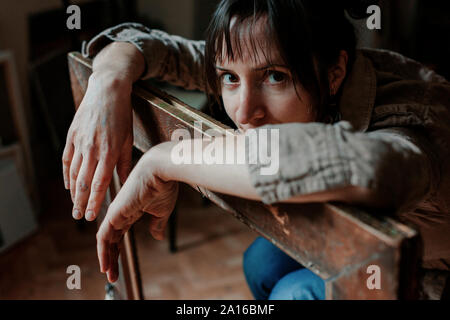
336 74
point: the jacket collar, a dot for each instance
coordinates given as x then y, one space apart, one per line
358 95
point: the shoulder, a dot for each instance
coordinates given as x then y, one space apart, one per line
398 65
407 92
415 99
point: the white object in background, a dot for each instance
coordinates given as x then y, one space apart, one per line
16 216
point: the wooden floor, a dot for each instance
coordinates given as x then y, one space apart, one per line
208 264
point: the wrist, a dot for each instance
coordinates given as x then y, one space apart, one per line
123 59
111 80
159 158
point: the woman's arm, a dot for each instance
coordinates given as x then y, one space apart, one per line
384 168
168 58
119 61
100 136
396 165
234 179
152 187
391 167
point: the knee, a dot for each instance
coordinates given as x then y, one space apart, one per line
264 265
261 267
299 285
253 259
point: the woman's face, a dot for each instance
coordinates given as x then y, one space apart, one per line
257 92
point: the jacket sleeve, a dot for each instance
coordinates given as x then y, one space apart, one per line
314 157
168 58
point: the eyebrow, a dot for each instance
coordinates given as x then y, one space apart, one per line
258 68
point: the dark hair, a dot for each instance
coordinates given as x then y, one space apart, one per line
309 35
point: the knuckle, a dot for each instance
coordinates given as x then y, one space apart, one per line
90 148
73 174
82 186
100 185
114 211
70 133
66 160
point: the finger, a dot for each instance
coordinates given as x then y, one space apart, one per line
108 242
106 235
124 163
66 161
102 252
113 272
99 186
74 169
83 184
158 226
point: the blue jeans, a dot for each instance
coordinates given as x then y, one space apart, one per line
272 274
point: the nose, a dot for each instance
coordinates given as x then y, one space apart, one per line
250 110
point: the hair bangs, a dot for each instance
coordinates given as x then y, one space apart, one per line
238 39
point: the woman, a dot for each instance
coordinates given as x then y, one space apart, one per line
286 65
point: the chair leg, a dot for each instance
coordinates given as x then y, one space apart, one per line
173 231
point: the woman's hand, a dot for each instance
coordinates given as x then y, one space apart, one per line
144 191
100 136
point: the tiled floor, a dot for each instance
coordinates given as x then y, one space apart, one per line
208 264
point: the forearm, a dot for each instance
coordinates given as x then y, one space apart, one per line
158 55
120 61
391 165
230 179
234 179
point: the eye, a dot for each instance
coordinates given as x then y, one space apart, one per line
228 78
276 77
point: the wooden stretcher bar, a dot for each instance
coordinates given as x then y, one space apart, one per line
336 241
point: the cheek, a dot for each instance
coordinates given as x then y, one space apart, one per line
288 107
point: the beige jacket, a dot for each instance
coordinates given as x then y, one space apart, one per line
394 135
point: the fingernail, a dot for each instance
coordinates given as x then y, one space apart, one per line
90 215
76 214
66 185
